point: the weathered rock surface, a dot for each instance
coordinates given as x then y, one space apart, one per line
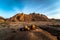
28 17
1 19
38 34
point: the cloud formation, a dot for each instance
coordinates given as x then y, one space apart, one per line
51 8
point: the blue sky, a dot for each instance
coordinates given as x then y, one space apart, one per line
51 8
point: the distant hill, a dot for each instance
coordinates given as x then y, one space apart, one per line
57 20
28 17
21 17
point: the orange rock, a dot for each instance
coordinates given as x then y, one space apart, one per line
20 17
1 19
33 27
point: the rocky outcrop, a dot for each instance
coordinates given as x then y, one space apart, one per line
1 19
20 17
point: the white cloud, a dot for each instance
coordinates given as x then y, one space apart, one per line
17 10
56 16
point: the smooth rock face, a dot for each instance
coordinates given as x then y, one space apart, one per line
37 34
34 33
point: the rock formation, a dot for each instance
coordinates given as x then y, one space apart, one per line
1 19
20 17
